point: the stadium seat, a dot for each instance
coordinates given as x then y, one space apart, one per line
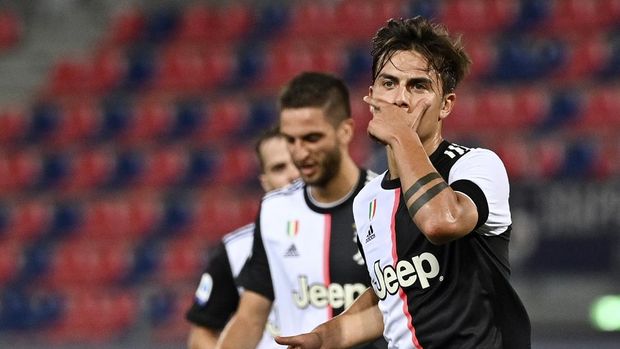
29 220
90 315
90 169
14 122
312 12
224 118
23 168
151 119
89 262
128 219
587 56
11 260
490 15
180 69
79 121
11 28
182 260
126 26
164 167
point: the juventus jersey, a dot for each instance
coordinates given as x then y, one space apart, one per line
455 295
217 295
305 256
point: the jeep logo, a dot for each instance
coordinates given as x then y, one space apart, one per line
421 268
320 296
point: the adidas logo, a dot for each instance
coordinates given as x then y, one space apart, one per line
292 251
370 235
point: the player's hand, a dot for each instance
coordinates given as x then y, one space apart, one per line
389 120
310 340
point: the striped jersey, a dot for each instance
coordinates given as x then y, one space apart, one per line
305 257
217 295
455 295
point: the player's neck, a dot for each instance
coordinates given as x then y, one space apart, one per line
340 186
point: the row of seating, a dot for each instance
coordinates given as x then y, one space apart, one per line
356 19
127 216
90 314
93 123
208 68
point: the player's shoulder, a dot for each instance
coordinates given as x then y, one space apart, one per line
481 156
284 192
244 232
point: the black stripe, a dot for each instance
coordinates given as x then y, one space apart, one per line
476 194
426 197
419 184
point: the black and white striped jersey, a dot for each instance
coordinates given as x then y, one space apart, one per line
217 295
305 257
455 295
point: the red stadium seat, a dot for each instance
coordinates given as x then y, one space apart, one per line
90 169
483 55
478 16
29 220
10 29
182 260
587 55
165 167
153 116
23 169
312 20
574 16
121 219
225 117
92 315
13 123
11 260
89 262
126 26
181 69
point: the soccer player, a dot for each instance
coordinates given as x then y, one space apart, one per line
216 297
435 227
305 254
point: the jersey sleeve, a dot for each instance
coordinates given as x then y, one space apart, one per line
256 275
481 175
216 297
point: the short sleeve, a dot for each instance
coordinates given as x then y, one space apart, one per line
216 297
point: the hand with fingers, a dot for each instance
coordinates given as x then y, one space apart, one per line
311 340
388 119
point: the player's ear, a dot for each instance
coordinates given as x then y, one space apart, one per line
447 104
345 131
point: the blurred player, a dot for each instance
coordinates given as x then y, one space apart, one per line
217 297
435 227
305 254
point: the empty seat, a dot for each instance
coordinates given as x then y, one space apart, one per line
89 262
11 260
125 26
165 167
182 260
14 122
479 16
93 315
29 220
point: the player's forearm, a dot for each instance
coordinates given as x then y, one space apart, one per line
240 333
437 210
360 323
202 338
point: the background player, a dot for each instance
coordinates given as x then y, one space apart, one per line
217 298
305 253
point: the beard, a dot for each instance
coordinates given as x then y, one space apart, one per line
328 168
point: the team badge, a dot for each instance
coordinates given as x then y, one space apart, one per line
292 228
372 209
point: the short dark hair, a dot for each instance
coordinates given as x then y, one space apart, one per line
320 90
270 133
444 54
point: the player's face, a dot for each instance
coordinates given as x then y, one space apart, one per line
404 81
279 169
313 144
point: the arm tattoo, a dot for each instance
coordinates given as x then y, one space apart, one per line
419 184
426 197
